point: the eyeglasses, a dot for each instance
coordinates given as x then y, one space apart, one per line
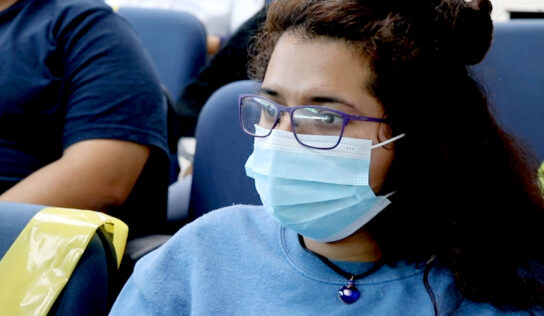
259 116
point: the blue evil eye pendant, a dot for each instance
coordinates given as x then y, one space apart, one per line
349 294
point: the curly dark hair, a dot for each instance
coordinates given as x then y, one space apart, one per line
466 191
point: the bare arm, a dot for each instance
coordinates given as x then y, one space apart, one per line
91 174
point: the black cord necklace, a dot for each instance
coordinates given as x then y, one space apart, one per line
349 293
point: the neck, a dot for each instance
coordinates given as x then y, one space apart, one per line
4 4
359 247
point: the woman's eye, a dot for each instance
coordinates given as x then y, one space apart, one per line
330 118
269 109
327 118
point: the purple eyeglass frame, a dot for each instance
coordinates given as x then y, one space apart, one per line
345 118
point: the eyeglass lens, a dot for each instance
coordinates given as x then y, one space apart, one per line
259 115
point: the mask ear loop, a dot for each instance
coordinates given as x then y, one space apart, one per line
390 140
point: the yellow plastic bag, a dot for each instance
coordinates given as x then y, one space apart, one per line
39 263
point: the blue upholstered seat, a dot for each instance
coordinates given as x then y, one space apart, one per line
513 75
176 42
222 148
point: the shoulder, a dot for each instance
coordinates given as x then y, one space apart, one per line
67 18
55 16
61 20
72 8
66 10
87 16
222 230
238 221
238 214
217 239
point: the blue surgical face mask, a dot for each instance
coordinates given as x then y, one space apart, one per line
321 194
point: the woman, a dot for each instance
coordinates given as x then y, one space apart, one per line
395 191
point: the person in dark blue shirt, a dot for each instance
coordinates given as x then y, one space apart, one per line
82 115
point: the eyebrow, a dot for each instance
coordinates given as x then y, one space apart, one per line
329 99
313 99
269 92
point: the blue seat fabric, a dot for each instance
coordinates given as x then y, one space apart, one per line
175 40
222 148
513 75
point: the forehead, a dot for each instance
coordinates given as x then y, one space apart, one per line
301 63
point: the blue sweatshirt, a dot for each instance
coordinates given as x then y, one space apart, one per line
239 261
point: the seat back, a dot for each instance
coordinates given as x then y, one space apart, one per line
513 75
176 42
92 286
222 148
